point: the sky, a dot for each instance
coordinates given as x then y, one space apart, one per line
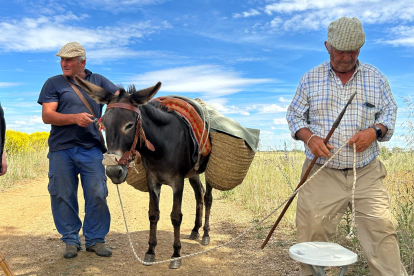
244 57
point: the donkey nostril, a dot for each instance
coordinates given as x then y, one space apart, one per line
120 171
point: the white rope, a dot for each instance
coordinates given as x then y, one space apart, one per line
351 234
238 236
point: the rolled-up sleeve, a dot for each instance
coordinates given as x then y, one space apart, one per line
388 113
297 114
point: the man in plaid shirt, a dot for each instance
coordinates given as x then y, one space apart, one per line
320 97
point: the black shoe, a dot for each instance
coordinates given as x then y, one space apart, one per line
100 249
71 251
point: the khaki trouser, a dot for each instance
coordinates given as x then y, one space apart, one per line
323 201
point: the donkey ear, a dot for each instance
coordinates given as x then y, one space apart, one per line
97 93
143 96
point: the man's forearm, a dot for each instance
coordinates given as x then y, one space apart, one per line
303 134
59 119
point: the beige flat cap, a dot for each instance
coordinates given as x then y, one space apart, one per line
346 34
71 49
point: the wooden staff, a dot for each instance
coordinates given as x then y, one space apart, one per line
5 266
305 176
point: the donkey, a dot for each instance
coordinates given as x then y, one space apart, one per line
165 150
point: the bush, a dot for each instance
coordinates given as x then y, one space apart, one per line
19 142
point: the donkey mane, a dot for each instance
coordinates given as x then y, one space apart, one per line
126 92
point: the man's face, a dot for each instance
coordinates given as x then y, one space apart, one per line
71 67
342 61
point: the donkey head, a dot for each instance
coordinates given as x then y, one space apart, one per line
120 124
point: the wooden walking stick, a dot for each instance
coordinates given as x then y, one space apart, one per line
5 266
305 176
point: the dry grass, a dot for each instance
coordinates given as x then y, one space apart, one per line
274 175
24 167
25 161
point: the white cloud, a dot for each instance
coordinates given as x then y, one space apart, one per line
210 80
283 100
289 6
219 105
97 56
36 120
272 108
276 22
120 5
45 33
250 59
8 84
280 121
251 12
302 15
404 36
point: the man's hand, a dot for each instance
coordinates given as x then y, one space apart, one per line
363 139
3 165
318 147
83 119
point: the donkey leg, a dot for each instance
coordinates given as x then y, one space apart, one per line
154 216
208 201
199 197
176 219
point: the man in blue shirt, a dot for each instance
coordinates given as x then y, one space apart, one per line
75 149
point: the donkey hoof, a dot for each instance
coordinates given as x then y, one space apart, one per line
194 235
149 258
175 264
205 240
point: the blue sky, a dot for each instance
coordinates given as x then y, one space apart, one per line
244 57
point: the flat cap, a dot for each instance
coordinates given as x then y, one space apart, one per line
71 49
346 34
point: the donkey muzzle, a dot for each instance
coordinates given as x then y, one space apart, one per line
117 173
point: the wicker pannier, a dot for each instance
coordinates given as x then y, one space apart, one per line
137 178
229 161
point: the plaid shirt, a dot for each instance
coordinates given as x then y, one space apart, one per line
319 99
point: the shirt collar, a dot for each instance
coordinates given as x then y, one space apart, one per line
87 72
332 72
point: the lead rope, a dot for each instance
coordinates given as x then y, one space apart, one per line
240 235
351 234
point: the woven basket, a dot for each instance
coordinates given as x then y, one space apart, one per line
138 180
229 161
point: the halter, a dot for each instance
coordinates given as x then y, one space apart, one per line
130 155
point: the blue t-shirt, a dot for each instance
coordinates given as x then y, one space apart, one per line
57 89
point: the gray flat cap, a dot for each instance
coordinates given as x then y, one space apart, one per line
346 34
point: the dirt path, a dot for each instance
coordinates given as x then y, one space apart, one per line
31 244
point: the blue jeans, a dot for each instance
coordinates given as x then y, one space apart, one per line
64 168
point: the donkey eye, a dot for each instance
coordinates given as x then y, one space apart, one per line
129 126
